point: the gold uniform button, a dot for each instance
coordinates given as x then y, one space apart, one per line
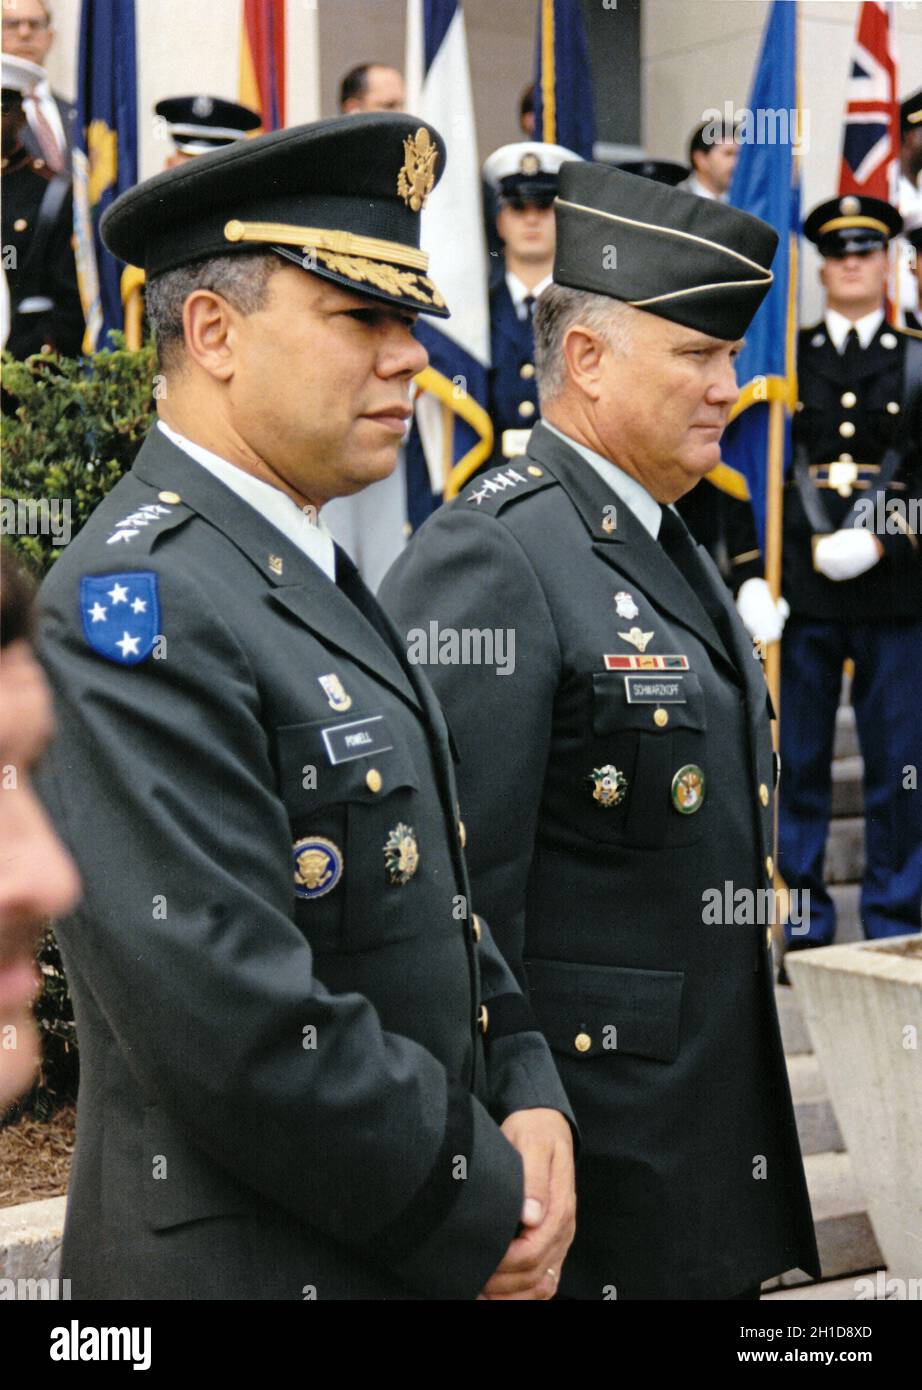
582 1042
20 224
172 499
535 471
476 928
462 833
849 399
893 407
661 718
527 371
526 408
769 866
846 458
763 794
483 1018
373 779
846 429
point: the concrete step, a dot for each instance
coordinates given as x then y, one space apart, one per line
848 787
817 1128
846 740
844 1235
794 1033
845 850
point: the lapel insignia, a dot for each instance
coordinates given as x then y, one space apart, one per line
638 639
609 786
417 175
887 340
620 662
401 853
336 695
318 866
818 340
625 606
275 564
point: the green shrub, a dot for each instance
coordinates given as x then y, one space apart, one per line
70 429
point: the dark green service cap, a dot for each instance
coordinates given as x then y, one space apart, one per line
692 260
340 198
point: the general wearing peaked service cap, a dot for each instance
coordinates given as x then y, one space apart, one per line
339 198
692 260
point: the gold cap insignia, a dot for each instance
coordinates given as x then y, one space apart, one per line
417 176
530 163
850 206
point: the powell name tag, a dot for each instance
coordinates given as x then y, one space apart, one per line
357 739
647 690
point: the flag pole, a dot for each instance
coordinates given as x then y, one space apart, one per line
773 517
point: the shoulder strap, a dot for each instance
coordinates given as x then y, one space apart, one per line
53 200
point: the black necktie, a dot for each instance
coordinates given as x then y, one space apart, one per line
529 302
353 586
676 540
852 347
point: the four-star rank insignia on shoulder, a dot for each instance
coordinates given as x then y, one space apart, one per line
121 615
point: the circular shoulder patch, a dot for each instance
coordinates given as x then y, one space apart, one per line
318 866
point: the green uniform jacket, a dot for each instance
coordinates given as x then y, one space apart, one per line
662 1020
279 1095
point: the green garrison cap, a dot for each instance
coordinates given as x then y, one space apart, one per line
693 260
340 198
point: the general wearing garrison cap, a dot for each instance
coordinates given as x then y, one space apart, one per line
911 112
692 260
526 171
659 170
340 198
199 124
852 225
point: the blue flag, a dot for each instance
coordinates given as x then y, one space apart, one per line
564 112
106 154
766 183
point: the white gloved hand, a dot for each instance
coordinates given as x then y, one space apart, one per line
845 554
761 616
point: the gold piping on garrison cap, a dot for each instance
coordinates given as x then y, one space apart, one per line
327 239
837 223
416 178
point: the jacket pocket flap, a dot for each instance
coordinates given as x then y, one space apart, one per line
180 1183
329 761
628 701
586 1011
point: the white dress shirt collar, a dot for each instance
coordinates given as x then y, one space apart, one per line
837 326
275 506
632 493
518 292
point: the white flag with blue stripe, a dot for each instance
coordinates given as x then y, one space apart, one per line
452 423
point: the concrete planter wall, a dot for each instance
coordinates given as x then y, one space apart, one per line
862 1004
30 1245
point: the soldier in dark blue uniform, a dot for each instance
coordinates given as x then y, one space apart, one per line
853 576
523 177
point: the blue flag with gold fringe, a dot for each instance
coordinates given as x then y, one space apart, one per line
564 111
105 154
766 182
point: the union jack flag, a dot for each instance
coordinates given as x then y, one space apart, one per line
871 140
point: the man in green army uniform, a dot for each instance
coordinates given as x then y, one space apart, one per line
617 774
305 1068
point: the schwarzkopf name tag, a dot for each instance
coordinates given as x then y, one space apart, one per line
654 690
356 739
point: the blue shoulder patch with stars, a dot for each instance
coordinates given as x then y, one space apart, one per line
121 615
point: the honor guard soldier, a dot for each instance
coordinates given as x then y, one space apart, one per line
909 201
617 777
41 310
853 576
523 178
913 317
195 125
286 1007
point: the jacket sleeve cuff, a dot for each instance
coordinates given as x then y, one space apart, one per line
456 1257
522 1076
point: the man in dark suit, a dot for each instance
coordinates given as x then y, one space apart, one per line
305 1068
42 311
617 774
523 178
853 576
28 32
